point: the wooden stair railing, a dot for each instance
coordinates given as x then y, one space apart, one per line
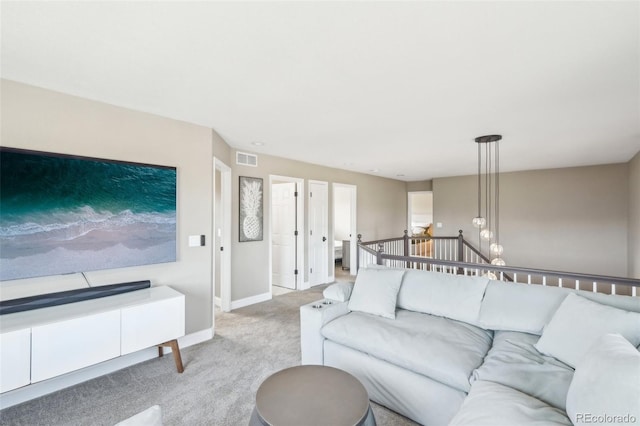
396 252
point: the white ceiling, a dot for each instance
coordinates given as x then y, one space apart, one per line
401 87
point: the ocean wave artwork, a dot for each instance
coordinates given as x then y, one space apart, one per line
64 214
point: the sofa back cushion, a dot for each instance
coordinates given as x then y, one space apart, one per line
456 297
376 291
529 307
519 307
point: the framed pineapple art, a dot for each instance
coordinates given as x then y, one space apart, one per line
251 224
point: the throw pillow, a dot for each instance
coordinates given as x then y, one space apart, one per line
375 292
606 385
152 416
579 323
338 291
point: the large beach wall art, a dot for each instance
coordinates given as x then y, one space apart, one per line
62 214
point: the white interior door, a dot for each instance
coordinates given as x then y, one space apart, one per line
319 233
283 240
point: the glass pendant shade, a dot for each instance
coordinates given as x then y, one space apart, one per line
486 234
496 249
479 222
490 275
498 261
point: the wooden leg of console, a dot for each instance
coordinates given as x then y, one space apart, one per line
175 349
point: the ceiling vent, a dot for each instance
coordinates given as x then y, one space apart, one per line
244 159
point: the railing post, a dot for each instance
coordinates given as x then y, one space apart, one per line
379 254
460 250
406 247
358 253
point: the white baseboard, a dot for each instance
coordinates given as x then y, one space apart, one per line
305 286
195 338
236 304
45 387
218 302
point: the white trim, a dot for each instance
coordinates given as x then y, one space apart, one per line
353 261
258 298
218 302
225 259
36 390
301 230
195 338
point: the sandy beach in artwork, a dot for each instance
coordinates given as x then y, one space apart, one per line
112 241
61 260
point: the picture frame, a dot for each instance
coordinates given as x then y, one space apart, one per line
251 210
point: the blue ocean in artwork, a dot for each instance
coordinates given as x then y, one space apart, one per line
61 214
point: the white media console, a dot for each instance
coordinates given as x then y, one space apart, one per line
44 343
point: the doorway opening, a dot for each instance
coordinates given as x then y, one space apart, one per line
286 248
420 209
344 231
222 235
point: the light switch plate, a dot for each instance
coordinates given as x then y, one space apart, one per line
196 240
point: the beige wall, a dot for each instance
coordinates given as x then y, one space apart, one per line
382 212
634 216
221 150
424 185
38 119
572 219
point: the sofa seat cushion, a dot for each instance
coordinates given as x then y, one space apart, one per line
491 404
442 349
513 361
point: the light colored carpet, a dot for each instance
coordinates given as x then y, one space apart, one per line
217 387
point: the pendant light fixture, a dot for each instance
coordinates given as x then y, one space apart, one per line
489 196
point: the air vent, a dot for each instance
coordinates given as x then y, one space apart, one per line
244 159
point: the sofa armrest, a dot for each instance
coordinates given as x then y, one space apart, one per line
313 317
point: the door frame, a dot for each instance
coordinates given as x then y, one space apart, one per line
329 228
225 260
300 283
353 239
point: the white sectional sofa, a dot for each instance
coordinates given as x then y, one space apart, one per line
450 349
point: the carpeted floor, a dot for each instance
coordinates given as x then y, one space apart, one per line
217 387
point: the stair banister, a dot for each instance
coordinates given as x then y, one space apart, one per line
387 252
